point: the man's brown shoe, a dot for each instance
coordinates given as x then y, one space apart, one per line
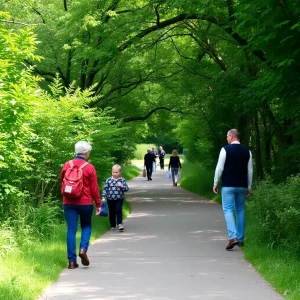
232 243
84 259
73 265
241 244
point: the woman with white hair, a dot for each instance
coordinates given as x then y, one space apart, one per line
79 189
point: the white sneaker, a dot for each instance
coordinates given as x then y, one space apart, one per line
120 227
113 229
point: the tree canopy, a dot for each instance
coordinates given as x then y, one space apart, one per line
189 70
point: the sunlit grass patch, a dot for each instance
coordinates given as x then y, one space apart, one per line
141 150
279 268
197 179
27 270
130 171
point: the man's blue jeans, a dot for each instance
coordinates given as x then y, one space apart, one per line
233 199
72 212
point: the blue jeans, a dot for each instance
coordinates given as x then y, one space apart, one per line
233 200
154 166
72 211
174 172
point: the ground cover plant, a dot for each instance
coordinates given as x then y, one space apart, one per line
197 179
272 226
122 72
26 270
273 234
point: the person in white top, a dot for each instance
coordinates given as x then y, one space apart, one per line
236 169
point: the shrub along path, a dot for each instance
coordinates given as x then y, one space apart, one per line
173 247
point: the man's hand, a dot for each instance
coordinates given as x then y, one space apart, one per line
215 189
248 193
98 210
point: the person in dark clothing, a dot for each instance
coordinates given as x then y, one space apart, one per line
149 158
155 154
161 156
174 165
236 169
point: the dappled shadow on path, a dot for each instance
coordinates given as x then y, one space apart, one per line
172 249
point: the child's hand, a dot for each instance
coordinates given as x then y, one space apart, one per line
119 184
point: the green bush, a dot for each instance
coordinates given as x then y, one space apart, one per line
197 179
275 209
44 219
8 241
38 132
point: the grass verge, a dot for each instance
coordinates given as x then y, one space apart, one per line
141 150
25 274
277 266
196 179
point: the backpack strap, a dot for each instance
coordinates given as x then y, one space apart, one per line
81 167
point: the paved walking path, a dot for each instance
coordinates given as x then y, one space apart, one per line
173 248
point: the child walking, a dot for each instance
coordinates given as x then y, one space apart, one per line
113 192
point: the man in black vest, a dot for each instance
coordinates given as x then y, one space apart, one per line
236 169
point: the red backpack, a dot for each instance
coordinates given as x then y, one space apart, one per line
72 185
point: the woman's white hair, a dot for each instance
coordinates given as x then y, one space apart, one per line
82 147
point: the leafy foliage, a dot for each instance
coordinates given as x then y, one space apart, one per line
39 130
168 72
276 210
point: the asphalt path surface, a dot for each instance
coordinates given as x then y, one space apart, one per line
173 247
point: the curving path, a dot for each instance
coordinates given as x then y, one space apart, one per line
173 247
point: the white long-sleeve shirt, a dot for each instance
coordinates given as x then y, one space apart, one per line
221 163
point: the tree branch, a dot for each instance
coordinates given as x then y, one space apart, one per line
130 85
37 12
42 73
142 118
178 51
230 6
65 5
241 41
195 73
112 7
157 13
18 23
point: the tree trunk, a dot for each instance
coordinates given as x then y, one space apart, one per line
267 142
258 158
278 134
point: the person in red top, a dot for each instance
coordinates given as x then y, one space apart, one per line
81 207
